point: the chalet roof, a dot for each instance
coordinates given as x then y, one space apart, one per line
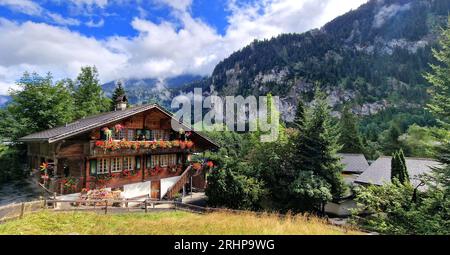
380 171
86 124
354 163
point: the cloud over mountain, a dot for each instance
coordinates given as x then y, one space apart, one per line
182 43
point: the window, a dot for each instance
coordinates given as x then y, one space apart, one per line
116 165
163 160
119 135
148 135
160 135
130 135
102 166
128 163
155 160
172 159
93 166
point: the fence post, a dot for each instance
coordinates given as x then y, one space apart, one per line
106 206
45 203
145 204
22 209
54 200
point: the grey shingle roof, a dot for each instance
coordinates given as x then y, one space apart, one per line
354 163
380 171
89 123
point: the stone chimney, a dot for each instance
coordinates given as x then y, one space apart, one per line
121 103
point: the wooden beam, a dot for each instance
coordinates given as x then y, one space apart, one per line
88 171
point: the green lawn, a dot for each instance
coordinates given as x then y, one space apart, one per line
176 222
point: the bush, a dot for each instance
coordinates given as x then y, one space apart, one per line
395 209
11 167
228 187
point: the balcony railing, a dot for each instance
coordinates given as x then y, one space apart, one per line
134 147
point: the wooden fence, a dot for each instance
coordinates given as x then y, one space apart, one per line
18 210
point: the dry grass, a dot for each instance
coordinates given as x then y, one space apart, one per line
173 223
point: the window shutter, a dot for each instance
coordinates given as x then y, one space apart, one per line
93 166
138 163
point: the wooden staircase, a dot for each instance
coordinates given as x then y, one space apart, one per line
184 179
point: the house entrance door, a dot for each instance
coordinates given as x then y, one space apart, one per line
155 189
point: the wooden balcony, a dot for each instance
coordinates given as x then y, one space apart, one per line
117 148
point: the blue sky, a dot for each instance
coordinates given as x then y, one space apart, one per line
144 38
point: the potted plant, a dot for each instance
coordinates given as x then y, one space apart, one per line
178 198
189 144
108 133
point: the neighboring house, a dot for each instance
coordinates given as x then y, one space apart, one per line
131 149
379 172
354 166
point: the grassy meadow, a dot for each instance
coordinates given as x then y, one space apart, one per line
172 223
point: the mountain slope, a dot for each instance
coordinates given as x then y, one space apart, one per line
373 56
151 90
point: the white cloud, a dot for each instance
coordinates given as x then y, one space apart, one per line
23 6
42 48
33 9
180 5
90 3
387 12
161 49
92 23
60 20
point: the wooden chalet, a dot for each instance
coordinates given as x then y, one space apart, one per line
130 148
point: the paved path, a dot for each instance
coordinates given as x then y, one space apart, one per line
19 191
196 198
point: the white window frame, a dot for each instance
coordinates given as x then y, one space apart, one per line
103 166
172 159
128 163
130 134
155 160
116 165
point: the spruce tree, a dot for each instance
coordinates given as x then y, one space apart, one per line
316 147
88 94
299 119
350 137
439 78
118 92
390 139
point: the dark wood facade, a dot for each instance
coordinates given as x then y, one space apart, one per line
144 148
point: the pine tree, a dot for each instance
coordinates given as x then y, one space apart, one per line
350 137
299 119
317 146
118 92
88 95
390 139
440 80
